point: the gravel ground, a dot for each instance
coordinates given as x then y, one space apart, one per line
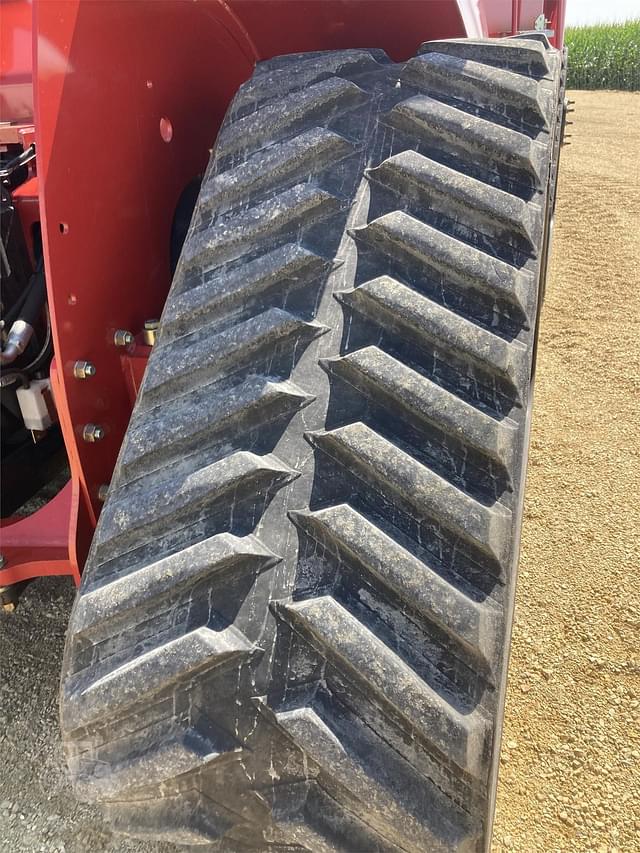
37 809
569 776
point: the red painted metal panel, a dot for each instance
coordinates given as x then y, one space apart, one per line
108 76
39 544
134 363
398 26
511 17
55 539
16 92
515 17
554 12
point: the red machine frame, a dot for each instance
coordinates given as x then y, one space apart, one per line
126 99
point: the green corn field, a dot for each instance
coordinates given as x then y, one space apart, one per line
606 56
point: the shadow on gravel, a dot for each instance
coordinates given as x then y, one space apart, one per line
38 811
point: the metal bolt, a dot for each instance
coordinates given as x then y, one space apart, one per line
149 332
122 338
84 369
540 23
92 433
102 492
2 561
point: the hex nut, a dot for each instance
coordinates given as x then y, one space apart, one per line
92 433
84 369
123 338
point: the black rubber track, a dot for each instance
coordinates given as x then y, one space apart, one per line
293 628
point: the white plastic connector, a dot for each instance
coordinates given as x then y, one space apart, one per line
36 404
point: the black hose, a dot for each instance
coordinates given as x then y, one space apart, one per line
14 311
34 301
43 356
21 328
21 160
45 352
12 376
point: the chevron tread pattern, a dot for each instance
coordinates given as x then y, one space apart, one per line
293 627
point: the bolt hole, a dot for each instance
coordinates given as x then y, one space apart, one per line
64 228
166 129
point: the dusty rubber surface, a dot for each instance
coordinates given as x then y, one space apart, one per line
294 620
585 542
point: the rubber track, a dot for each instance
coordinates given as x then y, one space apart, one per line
293 628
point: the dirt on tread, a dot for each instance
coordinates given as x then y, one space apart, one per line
286 687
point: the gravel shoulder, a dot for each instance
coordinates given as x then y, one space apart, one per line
38 812
569 772
569 775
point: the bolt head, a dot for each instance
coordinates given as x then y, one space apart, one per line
92 433
123 338
84 370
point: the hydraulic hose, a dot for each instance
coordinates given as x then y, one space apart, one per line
21 330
